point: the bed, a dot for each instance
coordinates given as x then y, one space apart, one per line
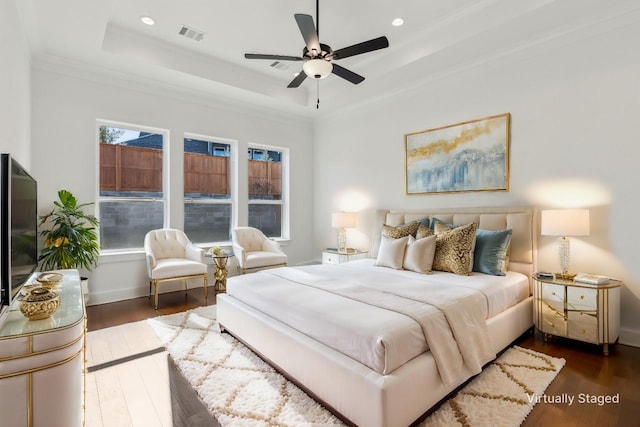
377 361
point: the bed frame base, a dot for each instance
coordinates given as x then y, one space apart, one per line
350 390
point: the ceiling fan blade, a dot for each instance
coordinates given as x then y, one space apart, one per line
276 57
308 31
364 47
298 80
347 74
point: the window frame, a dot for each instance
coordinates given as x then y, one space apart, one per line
233 183
165 177
284 202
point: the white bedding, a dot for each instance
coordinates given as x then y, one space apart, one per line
380 339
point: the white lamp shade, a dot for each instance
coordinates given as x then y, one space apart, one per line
317 68
343 220
564 222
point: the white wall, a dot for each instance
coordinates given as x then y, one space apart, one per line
574 143
15 95
574 104
65 109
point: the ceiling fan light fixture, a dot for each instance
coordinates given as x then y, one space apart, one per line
317 68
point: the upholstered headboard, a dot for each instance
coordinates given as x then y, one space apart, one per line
521 220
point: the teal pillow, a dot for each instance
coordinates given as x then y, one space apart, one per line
425 221
490 254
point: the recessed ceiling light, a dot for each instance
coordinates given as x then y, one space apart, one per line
397 22
147 20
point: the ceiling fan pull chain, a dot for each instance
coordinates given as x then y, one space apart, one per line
318 94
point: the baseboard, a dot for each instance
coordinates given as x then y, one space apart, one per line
630 337
97 298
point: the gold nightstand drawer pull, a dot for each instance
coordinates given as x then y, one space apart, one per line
581 296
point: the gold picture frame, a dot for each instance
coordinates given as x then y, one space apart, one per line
466 156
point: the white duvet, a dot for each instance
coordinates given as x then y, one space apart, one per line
382 317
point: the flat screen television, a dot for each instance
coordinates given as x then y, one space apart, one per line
18 227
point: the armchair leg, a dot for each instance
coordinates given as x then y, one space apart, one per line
155 285
186 291
206 291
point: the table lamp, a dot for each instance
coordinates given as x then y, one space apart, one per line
342 221
565 223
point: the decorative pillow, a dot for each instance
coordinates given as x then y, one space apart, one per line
440 227
426 221
490 254
391 252
419 253
435 221
401 230
454 249
423 232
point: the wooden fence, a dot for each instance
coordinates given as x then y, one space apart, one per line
124 169
265 178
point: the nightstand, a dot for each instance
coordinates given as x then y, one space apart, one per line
332 256
580 311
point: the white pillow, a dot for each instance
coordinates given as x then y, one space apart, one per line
419 254
391 252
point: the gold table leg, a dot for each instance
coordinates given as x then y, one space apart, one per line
220 274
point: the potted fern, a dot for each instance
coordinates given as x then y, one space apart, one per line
71 241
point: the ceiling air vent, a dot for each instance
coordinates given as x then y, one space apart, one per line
279 65
191 33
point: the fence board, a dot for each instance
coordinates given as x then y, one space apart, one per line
206 174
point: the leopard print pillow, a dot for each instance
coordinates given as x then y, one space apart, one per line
401 230
454 249
423 232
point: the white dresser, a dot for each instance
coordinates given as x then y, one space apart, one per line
42 363
580 311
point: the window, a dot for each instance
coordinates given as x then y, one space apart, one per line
208 196
257 154
268 184
131 198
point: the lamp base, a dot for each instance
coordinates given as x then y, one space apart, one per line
342 240
565 275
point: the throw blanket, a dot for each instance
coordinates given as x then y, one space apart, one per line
452 319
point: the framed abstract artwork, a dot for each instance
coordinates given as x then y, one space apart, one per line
467 156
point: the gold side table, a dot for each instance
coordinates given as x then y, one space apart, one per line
220 272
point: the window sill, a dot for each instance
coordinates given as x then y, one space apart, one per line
115 256
128 255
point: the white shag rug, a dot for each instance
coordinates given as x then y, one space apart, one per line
503 394
240 389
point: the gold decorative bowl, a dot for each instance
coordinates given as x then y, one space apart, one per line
49 279
39 304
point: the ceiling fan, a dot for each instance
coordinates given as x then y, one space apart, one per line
318 57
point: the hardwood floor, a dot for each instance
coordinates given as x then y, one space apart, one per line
106 315
131 380
586 373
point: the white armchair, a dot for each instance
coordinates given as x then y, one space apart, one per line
172 256
254 251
